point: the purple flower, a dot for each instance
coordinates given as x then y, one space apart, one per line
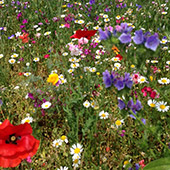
107 79
125 29
143 120
152 42
121 104
104 34
1 102
91 2
22 26
137 166
130 103
19 15
139 37
30 95
119 85
138 105
128 80
125 38
25 21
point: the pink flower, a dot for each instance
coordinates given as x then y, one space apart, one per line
46 56
83 41
33 42
118 28
67 25
28 159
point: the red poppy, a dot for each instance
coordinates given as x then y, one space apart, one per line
84 34
16 143
119 56
24 37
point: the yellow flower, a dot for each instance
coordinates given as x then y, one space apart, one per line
151 78
53 78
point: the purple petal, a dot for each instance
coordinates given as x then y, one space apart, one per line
125 38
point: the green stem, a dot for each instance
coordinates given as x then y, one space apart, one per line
149 130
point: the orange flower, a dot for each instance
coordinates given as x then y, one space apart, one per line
115 49
24 37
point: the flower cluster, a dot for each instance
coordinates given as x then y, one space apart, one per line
118 81
148 90
134 107
76 151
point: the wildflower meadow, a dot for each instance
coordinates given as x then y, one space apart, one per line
85 85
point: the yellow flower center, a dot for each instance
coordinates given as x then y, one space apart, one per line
162 106
46 105
103 115
142 79
57 144
164 81
152 105
126 162
76 161
63 137
28 121
118 123
77 150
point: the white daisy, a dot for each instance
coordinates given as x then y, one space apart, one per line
161 106
151 103
93 69
1 56
106 20
80 21
86 104
97 57
105 16
27 119
142 79
57 143
63 168
119 123
103 115
14 55
47 33
27 74
46 105
76 163
76 149
164 80
64 138
168 62
117 65
70 71
36 59
154 61
65 54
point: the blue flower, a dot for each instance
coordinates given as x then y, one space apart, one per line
121 104
139 37
104 35
119 85
152 42
125 38
107 79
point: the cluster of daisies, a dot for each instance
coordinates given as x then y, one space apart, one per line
160 106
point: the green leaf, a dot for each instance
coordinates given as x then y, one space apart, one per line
160 164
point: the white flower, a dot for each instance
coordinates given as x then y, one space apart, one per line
76 163
103 115
47 33
86 104
154 61
76 149
119 123
80 21
64 138
63 168
74 65
117 65
93 69
161 106
106 20
27 64
38 29
115 59
16 87
70 71
1 56
57 143
35 26
105 16
27 74
168 62
17 34
65 54
27 119
12 61
142 79
97 57
14 55
36 59
164 80
46 105
151 103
